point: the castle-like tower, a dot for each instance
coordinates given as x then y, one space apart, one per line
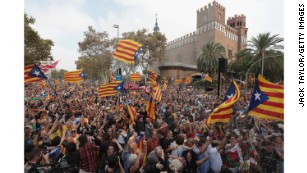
181 54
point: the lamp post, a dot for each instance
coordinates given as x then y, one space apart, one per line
116 26
262 59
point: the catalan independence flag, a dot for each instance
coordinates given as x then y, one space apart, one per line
267 100
135 77
139 141
157 91
188 80
32 73
224 111
206 77
178 81
108 89
164 86
152 77
127 51
132 113
74 76
150 106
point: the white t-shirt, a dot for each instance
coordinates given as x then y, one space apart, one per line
215 159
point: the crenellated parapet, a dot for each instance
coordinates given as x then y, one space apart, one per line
181 41
213 4
237 21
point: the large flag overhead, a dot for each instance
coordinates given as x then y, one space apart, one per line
127 51
135 77
74 76
152 77
224 111
108 89
267 100
32 73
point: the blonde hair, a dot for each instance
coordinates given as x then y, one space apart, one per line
176 165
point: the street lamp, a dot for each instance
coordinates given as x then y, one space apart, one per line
262 59
116 26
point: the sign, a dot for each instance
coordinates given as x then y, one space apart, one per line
119 77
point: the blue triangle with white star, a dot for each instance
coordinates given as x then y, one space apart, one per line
230 93
82 75
258 97
36 72
120 87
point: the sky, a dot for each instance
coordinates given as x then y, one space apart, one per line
64 22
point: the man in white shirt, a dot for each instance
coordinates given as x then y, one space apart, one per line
214 149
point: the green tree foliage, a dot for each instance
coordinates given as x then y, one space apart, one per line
96 55
58 74
208 59
202 84
36 49
262 46
153 46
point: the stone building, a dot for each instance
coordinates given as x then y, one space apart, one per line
181 53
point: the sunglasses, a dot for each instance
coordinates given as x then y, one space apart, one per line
73 131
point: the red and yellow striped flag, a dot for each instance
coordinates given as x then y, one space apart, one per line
139 141
74 76
164 86
157 91
224 111
127 51
207 78
108 89
49 96
112 78
150 106
57 81
188 80
152 77
267 100
132 114
36 72
178 81
43 84
135 77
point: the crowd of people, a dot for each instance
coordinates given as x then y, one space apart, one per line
72 129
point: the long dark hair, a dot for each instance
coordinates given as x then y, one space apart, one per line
83 140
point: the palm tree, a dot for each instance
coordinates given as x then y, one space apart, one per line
208 59
263 43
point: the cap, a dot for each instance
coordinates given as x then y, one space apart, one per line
29 126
